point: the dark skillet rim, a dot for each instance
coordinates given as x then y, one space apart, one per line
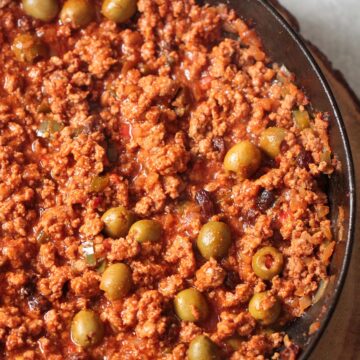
350 173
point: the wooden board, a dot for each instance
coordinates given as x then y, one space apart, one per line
341 340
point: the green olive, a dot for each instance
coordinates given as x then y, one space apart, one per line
214 240
77 12
86 329
244 158
146 230
118 10
302 119
45 10
271 140
28 48
117 222
267 262
191 305
116 281
202 348
264 308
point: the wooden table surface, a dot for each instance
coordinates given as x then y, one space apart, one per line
341 340
342 337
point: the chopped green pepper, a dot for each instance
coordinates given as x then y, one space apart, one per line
234 342
302 119
99 183
326 156
77 131
49 127
88 251
102 266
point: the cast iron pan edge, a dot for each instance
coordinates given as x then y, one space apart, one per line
342 185
349 172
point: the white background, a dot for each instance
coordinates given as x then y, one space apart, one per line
334 26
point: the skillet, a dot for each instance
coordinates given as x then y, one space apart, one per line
284 46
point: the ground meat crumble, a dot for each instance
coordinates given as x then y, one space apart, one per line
154 104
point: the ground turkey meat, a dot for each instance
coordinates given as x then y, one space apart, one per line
140 118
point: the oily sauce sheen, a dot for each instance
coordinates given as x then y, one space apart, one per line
124 129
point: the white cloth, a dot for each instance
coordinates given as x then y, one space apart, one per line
334 27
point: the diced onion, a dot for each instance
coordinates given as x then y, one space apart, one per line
321 290
305 302
89 252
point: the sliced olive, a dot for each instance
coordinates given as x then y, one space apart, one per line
45 10
302 119
146 230
116 281
244 158
86 329
214 240
117 222
264 308
271 140
78 13
202 348
267 262
28 48
99 183
118 10
191 305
